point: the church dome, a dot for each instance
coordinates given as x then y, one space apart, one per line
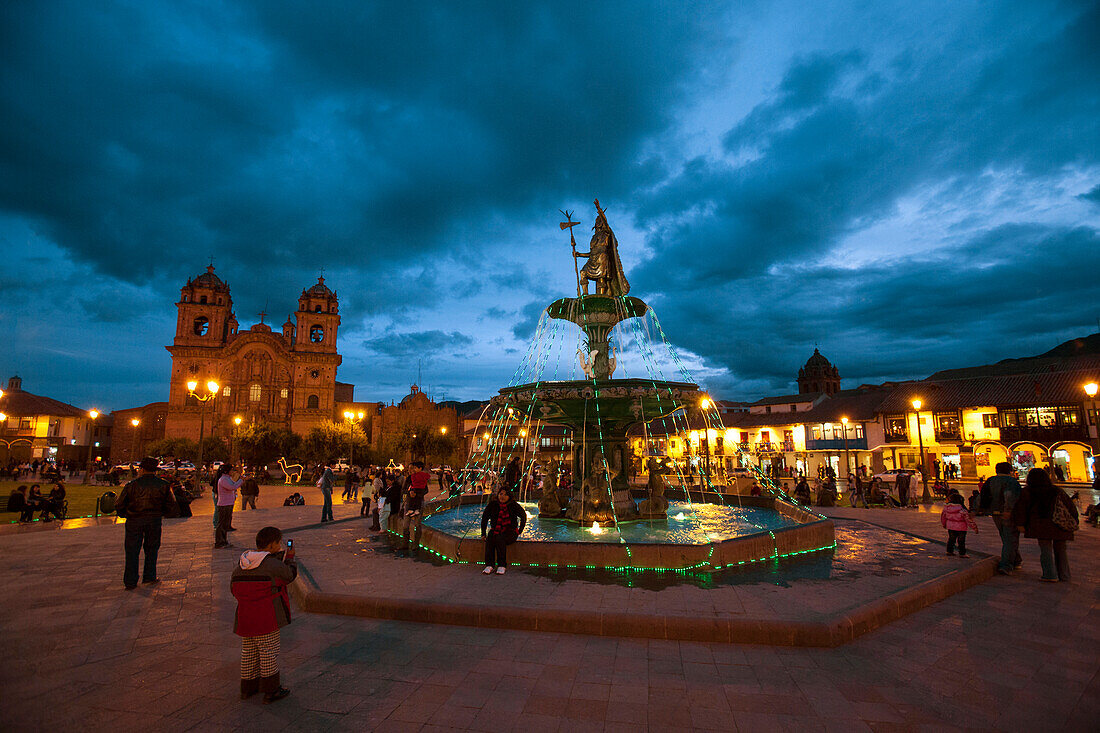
817 361
320 290
209 280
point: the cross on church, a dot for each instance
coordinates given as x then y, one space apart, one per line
263 313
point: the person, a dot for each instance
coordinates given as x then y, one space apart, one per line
55 503
956 520
229 481
828 494
901 483
377 492
17 500
182 497
1035 515
391 501
143 503
351 486
259 584
325 484
999 494
412 510
802 493
511 474
1059 474
505 520
1092 513
756 489
250 490
34 503
974 501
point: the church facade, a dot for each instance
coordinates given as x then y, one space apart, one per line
286 379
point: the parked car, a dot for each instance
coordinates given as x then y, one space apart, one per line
891 476
341 465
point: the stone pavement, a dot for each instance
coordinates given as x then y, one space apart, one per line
1010 654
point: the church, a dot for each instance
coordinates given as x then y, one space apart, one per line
286 379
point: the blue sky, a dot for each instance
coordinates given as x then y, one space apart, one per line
908 186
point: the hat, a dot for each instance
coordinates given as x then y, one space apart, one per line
148 464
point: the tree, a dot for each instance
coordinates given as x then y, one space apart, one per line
259 444
181 448
423 442
331 440
214 449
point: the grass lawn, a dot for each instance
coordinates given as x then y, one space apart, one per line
81 498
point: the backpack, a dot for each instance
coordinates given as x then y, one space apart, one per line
1063 518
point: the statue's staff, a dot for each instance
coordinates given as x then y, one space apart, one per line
569 224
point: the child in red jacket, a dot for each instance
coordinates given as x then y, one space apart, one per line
956 520
263 607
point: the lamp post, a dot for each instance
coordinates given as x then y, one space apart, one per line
237 426
925 497
847 458
133 445
212 388
90 470
705 404
1090 389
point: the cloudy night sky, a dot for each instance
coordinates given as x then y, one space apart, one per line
910 186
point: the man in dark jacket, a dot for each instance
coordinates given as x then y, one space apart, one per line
143 503
998 497
263 607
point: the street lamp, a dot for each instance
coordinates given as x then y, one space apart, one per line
847 458
1090 389
925 497
133 446
93 414
705 404
212 389
350 416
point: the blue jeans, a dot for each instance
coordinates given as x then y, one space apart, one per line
214 496
326 509
1054 560
1010 543
142 532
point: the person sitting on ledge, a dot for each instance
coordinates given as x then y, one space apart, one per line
17 500
35 502
1092 514
505 520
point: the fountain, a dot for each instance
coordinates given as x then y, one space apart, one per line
599 524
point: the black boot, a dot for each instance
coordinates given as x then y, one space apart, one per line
249 688
272 689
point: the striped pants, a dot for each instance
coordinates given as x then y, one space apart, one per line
260 656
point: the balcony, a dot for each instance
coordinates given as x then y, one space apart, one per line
1044 435
836 444
948 436
897 438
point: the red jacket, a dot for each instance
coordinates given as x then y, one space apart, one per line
259 585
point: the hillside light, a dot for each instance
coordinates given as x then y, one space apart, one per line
1090 390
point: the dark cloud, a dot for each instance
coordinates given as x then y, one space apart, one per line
419 344
896 192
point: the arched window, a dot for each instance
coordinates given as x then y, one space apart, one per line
312 402
254 392
316 334
202 325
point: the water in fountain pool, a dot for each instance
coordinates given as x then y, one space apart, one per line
686 524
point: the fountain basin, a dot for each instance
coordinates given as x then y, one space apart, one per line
709 538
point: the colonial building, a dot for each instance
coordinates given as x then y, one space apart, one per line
1030 412
37 427
286 379
416 411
